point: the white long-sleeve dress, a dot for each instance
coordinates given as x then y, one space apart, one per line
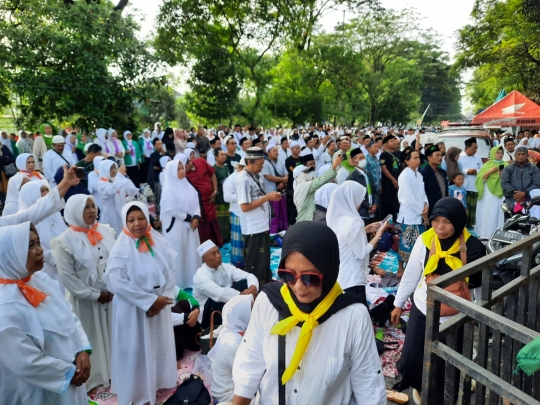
489 215
39 346
340 367
81 267
112 197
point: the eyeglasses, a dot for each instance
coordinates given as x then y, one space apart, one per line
308 279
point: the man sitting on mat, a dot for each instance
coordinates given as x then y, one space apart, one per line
216 282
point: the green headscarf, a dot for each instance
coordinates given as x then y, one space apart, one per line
345 164
46 138
528 358
80 143
494 180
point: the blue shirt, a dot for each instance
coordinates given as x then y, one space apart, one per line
458 192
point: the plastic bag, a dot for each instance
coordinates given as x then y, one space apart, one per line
203 368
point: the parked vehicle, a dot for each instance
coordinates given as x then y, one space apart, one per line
515 228
456 137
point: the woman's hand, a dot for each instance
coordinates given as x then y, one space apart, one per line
193 317
82 372
395 316
194 224
372 227
160 303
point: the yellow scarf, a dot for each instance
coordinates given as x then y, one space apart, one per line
452 261
310 323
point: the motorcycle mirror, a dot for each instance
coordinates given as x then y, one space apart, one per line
534 201
506 209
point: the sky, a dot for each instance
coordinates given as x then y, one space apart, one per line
443 17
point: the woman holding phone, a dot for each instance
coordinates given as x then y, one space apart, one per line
489 215
354 248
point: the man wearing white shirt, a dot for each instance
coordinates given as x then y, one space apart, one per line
53 159
22 144
245 143
509 149
471 164
284 152
215 282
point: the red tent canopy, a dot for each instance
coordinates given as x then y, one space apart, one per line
513 110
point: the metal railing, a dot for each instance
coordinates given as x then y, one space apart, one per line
510 315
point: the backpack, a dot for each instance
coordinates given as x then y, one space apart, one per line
191 392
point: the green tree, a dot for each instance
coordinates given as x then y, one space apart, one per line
503 43
75 59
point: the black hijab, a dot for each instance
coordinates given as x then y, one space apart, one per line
319 244
168 140
453 210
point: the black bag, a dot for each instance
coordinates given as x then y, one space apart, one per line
191 392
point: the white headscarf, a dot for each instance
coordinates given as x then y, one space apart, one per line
93 177
51 226
78 242
179 194
145 270
188 152
342 215
236 315
105 168
20 161
101 135
52 314
13 190
322 195
523 144
70 150
97 160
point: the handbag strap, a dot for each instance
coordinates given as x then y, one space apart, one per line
281 366
65 160
212 328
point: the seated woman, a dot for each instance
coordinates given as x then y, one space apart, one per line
332 357
140 275
45 352
185 314
236 314
81 254
448 220
113 187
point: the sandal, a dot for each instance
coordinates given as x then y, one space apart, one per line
398 397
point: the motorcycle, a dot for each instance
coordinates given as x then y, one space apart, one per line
516 227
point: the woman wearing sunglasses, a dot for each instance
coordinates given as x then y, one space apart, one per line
307 342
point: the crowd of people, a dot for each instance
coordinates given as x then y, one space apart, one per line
101 289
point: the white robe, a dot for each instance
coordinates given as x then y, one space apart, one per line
52 161
467 163
489 215
39 344
84 284
113 197
143 351
337 368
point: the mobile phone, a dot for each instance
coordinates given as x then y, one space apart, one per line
79 172
388 218
344 156
501 167
283 191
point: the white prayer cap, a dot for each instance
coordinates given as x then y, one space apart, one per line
299 169
58 139
227 138
270 146
293 144
191 145
306 136
205 247
242 162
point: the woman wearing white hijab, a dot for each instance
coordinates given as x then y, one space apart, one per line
101 140
81 254
147 147
163 163
70 149
26 164
140 275
93 178
117 149
322 199
180 213
112 188
344 219
45 352
236 314
50 227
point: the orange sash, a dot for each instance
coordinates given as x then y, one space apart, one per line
92 234
32 295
